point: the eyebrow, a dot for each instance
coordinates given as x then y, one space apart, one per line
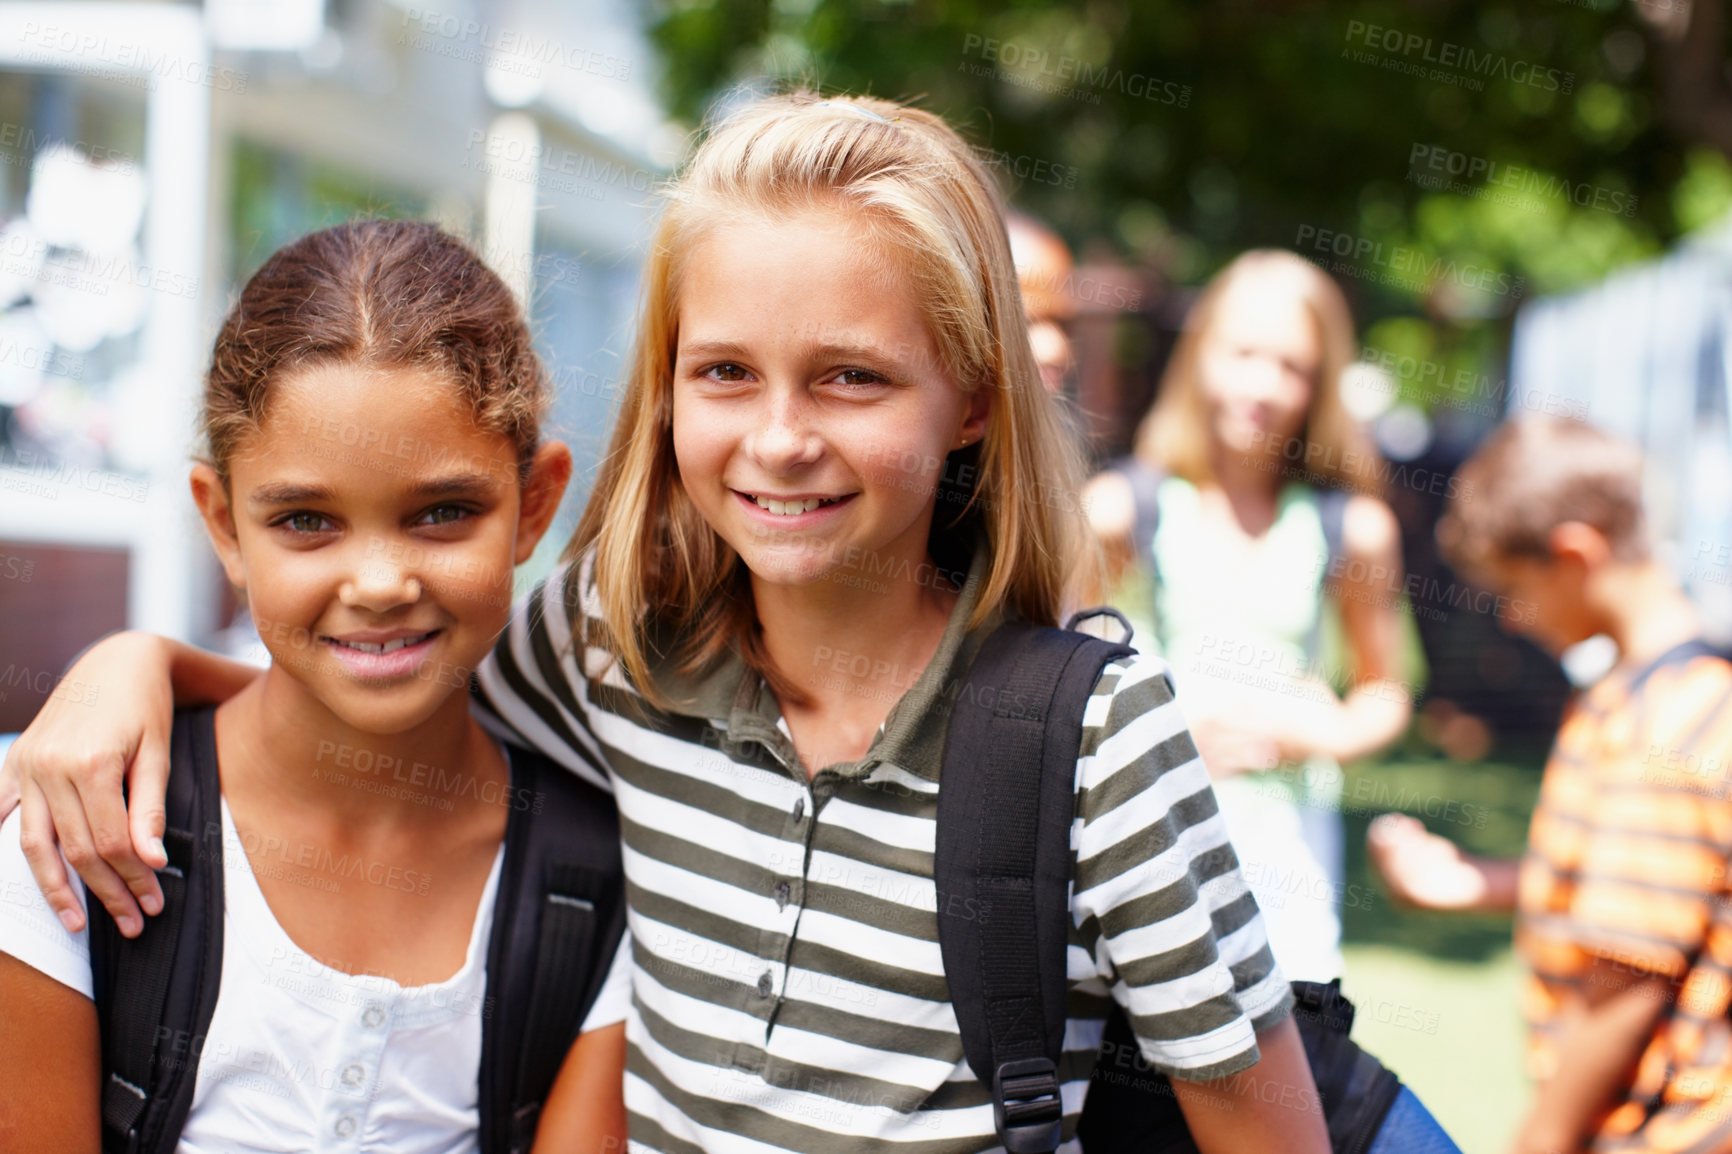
451 485
712 349
456 485
829 352
287 493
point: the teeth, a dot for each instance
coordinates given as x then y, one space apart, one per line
791 508
385 646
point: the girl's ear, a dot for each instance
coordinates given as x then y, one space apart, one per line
212 498
975 417
549 472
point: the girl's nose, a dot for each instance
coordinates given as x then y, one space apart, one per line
784 436
379 585
1262 378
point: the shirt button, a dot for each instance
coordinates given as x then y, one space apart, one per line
783 889
799 808
353 1074
765 984
346 1125
374 1017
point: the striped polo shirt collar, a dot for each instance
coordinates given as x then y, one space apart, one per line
739 702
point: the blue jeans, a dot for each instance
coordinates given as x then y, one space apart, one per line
1409 1128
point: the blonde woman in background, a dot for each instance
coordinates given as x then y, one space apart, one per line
1251 504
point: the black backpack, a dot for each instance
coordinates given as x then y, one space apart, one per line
1005 806
557 921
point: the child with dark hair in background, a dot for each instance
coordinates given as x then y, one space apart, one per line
1621 903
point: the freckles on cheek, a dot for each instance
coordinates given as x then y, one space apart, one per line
685 463
698 451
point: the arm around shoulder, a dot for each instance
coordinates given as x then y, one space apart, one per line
83 749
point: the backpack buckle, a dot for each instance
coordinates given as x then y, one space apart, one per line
1026 1107
123 1105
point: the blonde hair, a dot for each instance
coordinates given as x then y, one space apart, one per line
1173 437
923 195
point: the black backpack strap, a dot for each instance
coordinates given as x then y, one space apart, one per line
1332 512
1004 814
1332 517
557 921
1145 486
155 994
1005 806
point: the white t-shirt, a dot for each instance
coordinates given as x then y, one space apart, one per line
299 1055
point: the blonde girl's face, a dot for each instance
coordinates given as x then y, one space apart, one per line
1258 365
374 527
812 414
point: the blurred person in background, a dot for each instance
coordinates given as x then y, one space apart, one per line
1043 269
1622 900
1250 504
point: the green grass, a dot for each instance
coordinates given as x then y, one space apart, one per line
1451 1029
1482 806
1437 994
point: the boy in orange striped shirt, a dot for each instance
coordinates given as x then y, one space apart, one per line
1621 899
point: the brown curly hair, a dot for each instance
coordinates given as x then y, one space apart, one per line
394 294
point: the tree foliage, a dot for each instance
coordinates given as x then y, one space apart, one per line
1471 155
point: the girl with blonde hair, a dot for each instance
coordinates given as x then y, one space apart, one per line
835 472
1252 502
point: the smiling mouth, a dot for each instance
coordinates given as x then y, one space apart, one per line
792 508
378 647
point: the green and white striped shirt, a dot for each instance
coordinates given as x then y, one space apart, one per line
788 992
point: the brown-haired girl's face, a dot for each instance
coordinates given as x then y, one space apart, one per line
1258 364
374 527
812 413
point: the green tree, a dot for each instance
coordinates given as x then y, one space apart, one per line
1447 160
